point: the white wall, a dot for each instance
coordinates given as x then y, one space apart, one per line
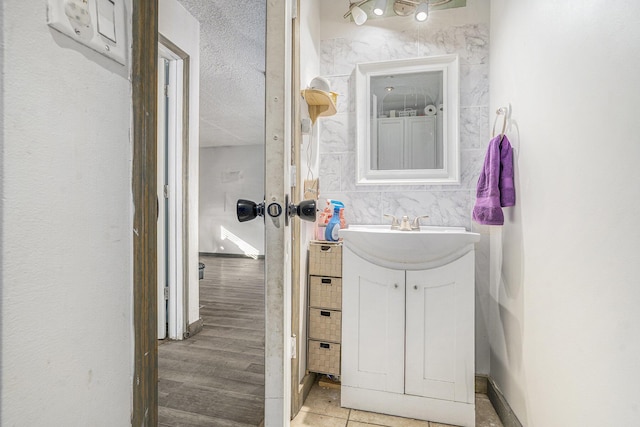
66 348
226 175
464 31
565 271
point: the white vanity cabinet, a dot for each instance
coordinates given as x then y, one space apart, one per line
408 339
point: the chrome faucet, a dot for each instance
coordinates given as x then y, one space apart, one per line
415 225
394 221
404 224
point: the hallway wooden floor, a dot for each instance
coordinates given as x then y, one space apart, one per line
216 378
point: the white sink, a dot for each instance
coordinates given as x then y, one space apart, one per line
408 250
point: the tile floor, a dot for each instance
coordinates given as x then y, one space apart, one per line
322 409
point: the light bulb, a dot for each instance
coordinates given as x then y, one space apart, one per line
359 16
380 7
422 12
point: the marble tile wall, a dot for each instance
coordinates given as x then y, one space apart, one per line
446 205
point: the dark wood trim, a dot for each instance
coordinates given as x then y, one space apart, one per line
144 93
186 81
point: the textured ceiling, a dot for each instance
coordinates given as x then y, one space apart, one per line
232 55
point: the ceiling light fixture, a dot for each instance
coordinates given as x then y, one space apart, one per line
358 15
380 7
418 8
422 11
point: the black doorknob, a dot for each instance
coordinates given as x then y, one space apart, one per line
306 210
246 210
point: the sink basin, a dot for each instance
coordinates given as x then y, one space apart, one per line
408 250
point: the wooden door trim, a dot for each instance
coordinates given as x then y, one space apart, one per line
144 111
296 403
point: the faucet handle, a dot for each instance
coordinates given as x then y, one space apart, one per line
394 221
415 225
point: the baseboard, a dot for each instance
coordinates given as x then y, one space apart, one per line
481 383
194 328
226 255
500 404
306 384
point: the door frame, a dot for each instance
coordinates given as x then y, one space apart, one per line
144 82
278 142
144 183
178 179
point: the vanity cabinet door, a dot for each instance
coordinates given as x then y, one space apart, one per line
420 142
390 153
373 313
440 335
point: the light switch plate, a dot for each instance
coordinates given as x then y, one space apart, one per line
100 28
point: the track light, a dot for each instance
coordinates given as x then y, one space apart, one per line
359 16
422 11
418 8
380 7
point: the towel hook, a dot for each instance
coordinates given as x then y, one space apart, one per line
502 111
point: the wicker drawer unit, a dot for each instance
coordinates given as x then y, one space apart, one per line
323 357
325 259
325 292
325 325
325 305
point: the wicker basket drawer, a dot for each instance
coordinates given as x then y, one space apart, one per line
325 259
323 357
325 292
325 325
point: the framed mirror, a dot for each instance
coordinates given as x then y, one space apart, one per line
407 121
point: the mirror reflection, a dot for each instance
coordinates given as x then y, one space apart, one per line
406 121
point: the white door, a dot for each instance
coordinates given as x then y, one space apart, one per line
278 135
373 335
171 286
440 336
162 224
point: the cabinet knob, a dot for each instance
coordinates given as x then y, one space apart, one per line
415 287
395 285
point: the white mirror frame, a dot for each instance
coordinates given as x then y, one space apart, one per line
450 173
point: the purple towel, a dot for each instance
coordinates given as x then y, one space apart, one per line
495 185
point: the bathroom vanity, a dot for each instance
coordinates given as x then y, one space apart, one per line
408 322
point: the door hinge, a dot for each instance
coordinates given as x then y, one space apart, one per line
166 91
166 191
166 293
294 176
294 347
